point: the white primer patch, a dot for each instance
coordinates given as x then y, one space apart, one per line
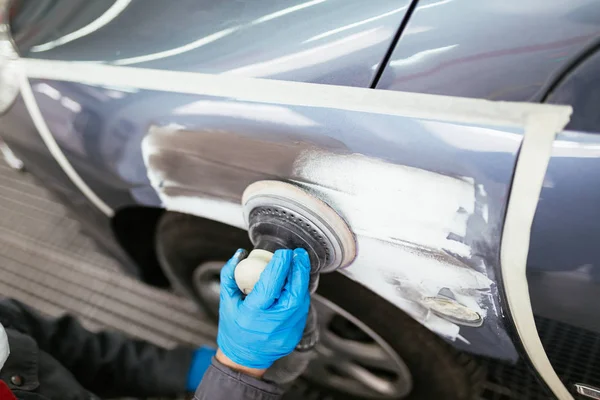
406 276
388 201
403 218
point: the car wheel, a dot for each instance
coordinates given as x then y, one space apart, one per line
191 251
369 349
437 370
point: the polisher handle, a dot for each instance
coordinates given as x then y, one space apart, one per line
248 271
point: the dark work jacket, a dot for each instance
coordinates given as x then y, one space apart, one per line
223 383
59 359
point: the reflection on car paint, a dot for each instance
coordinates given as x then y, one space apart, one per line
320 41
496 50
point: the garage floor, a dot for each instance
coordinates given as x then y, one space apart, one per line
46 262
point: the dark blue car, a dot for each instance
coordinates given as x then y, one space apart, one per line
458 139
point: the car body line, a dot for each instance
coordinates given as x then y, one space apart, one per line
55 150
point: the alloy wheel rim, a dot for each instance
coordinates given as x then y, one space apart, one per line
355 359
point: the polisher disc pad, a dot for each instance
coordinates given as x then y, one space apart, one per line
291 217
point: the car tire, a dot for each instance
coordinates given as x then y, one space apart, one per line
438 371
184 242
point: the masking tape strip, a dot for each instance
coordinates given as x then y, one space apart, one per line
413 105
529 175
541 122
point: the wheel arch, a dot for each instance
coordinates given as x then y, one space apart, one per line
135 228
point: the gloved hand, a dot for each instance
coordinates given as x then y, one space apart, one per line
268 323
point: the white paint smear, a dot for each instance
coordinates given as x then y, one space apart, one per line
402 217
391 202
405 276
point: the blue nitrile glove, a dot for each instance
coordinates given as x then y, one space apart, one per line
200 362
268 323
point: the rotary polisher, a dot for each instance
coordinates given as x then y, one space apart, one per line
283 216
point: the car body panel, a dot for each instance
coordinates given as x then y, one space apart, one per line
200 153
577 87
337 42
564 261
564 258
497 50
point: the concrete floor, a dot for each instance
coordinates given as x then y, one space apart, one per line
47 262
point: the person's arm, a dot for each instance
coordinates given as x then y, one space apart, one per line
221 382
106 363
257 330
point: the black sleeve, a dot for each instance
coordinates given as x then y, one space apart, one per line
223 383
106 363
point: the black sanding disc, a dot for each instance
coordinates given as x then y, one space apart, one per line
281 215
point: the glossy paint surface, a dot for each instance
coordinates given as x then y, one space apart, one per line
564 259
579 88
497 50
337 42
202 152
